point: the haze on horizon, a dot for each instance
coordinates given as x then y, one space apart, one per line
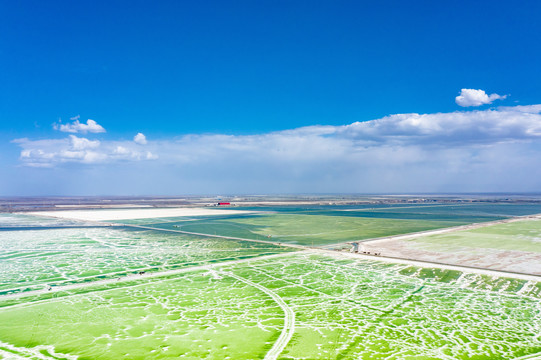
137 98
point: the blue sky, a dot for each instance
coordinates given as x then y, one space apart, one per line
223 92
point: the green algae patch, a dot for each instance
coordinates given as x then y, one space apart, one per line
344 308
358 309
303 229
191 316
52 257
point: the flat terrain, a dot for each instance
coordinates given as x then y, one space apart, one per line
339 308
513 246
71 289
11 221
33 259
122 214
326 225
301 229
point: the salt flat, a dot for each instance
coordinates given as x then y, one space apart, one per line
512 245
151 289
128 214
335 308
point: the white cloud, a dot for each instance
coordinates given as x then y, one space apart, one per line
70 154
73 149
150 156
78 127
530 109
124 152
83 143
458 151
456 128
472 97
140 138
92 157
121 150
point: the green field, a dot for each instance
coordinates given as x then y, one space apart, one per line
326 225
358 309
191 316
306 230
32 259
343 309
519 236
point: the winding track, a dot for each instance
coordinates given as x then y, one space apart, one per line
289 320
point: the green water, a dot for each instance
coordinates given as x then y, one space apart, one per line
324 225
304 229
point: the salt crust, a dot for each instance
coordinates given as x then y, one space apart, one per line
129 214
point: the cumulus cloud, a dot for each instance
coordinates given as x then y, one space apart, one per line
457 128
121 150
402 152
472 97
126 152
77 127
73 149
306 144
78 143
140 138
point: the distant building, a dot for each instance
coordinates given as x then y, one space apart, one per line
224 203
